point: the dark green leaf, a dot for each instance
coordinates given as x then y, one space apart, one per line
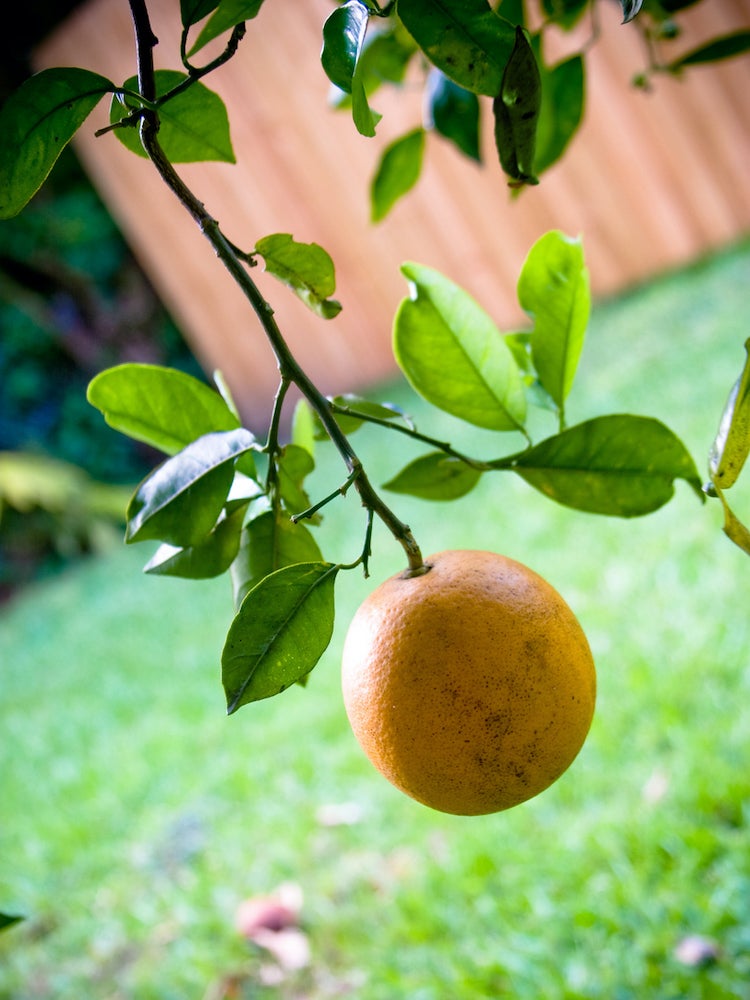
162 406
436 476
397 172
629 9
7 920
563 96
208 558
180 501
192 11
720 48
280 632
619 465
453 113
229 14
194 124
731 446
553 288
511 10
453 354
516 110
343 38
464 38
269 542
37 121
305 267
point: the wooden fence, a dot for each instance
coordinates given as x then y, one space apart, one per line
654 180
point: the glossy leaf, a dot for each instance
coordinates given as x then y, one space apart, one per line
453 113
37 121
305 267
724 47
163 407
180 501
343 38
563 97
208 558
228 14
516 110
282 628
269 542
436 476
619 465
194 124
553 288
629 9
465 39
453 354
731 446
397 172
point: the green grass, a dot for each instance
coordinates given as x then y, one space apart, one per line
136 815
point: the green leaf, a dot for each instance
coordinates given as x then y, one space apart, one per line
306 268
563 95
350 422
734 529
565 13
304 426
465 39
192 11
37 121
269 542
180 501
436 476
553 288
194 124
161 406
619 465
7 920
228 14
280 632
208 558
343 38
731 446
516 110
453 354
293 464
397 172
724 47
453 113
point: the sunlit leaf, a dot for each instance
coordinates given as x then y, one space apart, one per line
180 501
37 121
731 446
453 354
282 628
465 39
436 476
453 113
305 267
397 172
553 288
734 529
269 542
163 407
228 14
194 124
619 465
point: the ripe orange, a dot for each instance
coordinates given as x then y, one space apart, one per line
471 687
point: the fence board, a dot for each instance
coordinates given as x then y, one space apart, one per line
653 181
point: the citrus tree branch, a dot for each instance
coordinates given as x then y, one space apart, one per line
289 369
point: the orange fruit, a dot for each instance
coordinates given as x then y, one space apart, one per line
470 687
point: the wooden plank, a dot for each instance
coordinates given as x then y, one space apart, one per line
653 181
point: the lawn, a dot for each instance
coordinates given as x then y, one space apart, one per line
136 816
